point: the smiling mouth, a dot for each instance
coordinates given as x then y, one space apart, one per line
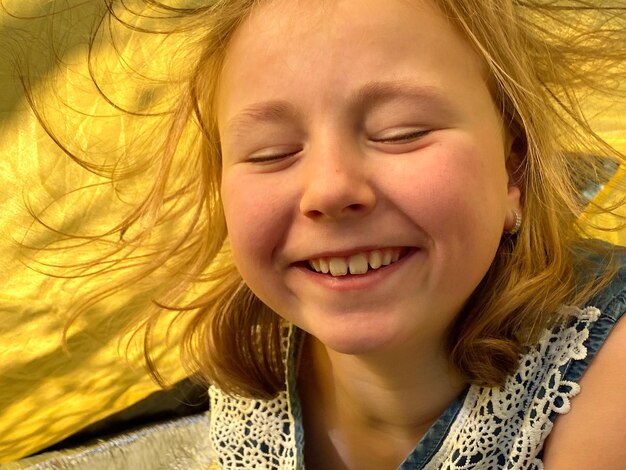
359 263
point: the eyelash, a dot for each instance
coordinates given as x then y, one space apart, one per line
271 158
403 138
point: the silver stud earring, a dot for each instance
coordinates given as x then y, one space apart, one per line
516 224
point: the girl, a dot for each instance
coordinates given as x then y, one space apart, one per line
405 280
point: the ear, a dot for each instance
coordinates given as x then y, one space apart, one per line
515 163
516 150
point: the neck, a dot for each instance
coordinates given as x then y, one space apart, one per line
390 398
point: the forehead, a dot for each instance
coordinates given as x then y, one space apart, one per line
342 44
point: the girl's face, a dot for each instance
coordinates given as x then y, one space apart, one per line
354 132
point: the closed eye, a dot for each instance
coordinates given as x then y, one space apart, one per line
401 137
271 158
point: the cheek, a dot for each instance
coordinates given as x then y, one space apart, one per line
256 216
459 201
458 193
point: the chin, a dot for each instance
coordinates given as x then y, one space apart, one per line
358 339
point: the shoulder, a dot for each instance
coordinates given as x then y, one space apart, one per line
593 433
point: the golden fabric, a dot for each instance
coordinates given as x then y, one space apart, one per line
47 393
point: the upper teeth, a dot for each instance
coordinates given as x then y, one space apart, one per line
356 264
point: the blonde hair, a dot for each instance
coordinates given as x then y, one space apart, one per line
544 58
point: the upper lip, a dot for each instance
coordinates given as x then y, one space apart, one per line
349 252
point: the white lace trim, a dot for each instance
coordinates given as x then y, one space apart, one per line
505 427
496 428
254 434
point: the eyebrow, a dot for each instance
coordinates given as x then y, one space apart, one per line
268 111
375 92
368 96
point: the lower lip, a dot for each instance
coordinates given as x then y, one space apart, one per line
355 282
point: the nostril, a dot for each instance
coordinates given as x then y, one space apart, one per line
355 207
351 209
314 214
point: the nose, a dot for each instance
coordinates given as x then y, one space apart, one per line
337 185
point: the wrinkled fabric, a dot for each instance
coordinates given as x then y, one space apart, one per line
175 444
